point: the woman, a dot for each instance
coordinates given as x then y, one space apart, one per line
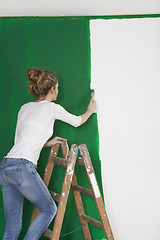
18 169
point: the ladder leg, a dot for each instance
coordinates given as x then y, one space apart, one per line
50 164
80 209
65 192
47 176
96 191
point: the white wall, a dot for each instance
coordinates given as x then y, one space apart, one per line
126 78
77 7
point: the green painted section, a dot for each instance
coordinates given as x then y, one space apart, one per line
61 45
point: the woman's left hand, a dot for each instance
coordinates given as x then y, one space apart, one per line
53 141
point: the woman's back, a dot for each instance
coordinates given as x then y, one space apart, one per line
35 126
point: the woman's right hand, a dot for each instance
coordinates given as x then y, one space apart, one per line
92 105
91 109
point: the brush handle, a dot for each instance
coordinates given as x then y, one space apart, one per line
92 92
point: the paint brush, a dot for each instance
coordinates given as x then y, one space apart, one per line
93 97
92 93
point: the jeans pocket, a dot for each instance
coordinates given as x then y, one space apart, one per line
13 175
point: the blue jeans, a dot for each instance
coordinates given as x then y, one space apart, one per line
18 179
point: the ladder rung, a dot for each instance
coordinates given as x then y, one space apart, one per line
64 162
55 196
48 233
92 221
60 161
83 190
79 161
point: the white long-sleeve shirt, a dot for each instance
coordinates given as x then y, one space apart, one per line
34 127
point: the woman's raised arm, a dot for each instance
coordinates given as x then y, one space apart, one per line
91 109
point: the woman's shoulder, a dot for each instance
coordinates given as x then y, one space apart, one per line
56 105
26 104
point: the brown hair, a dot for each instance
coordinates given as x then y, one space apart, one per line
40 81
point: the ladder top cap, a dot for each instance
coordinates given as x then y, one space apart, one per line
73 146
83 145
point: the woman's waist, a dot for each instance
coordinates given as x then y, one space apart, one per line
7 161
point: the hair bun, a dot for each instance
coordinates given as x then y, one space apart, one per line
35 75
40 81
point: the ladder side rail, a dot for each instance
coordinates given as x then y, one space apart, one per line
53 160
80 209
65 192
47 176
96 191
50 164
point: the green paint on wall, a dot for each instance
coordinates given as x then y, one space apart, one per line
61 45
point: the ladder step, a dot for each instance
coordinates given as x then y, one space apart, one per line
83 190
64 162
79 161
48 233
92 221
60 161
55 196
